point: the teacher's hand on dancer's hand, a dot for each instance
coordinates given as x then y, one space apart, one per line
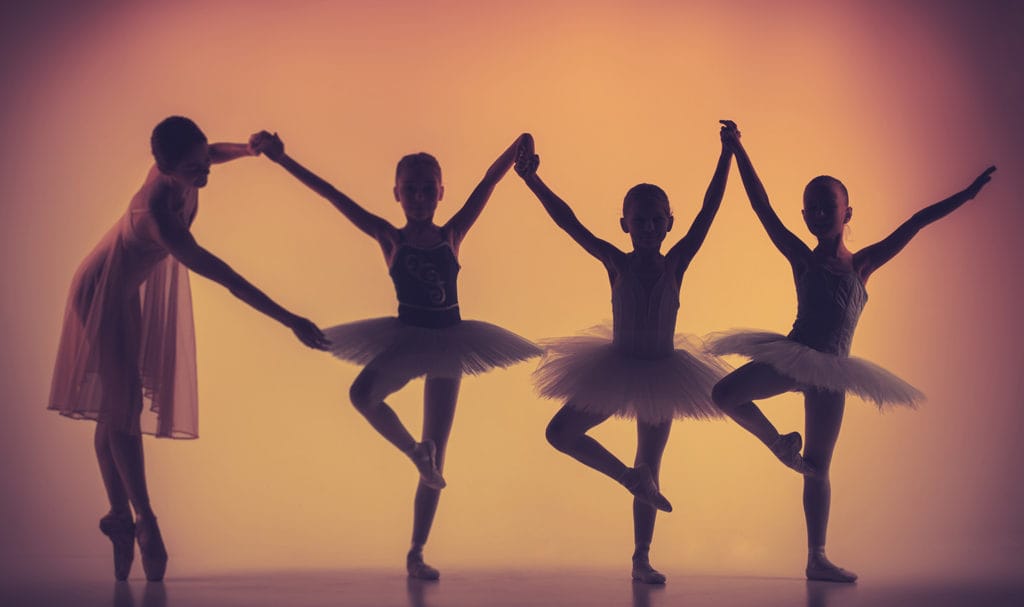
730 134
268 144
309 334
975 187
526 161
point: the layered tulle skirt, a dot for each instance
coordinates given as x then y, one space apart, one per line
405 351
591 374
815 369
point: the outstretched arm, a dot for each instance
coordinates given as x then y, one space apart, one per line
273 148
185 249
872 257
680 255
224 152
459 224
785 241
526 166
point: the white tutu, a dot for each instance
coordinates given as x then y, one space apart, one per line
468 346
813 368
593 376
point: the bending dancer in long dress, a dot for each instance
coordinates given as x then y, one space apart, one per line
126 357
428 338
640 369
814 357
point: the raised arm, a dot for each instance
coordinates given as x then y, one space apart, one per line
224 152
785 241
459 224
273 148
526 166
177 238
680 255
870 258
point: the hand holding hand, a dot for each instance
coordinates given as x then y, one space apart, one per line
730 134
309 334
265 142
526 160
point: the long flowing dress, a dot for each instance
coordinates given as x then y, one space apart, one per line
127 354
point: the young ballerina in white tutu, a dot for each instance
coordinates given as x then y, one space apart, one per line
428 337
127 355
640 369
814 357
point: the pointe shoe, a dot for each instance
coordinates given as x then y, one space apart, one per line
645 574
640 482
121 531
822 570
787 449
151 548
424 456
419 570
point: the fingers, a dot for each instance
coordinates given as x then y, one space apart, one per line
729 124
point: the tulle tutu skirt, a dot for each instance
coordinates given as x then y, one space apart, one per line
590 374
815 369
406 351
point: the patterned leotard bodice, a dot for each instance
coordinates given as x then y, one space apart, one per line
828 307
425 283
644 319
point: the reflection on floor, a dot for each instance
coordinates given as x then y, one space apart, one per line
476 588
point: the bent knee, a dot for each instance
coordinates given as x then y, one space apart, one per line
361 394
724 394
559 435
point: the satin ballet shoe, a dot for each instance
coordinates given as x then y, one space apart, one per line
424 456
821 569
787 449
645 574
640 482
419 570
151 548
121 531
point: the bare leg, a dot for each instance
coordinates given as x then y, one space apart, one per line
734 395
117 524
567 432
824 418
650 446
439 397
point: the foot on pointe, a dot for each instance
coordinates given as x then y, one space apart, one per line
151 548
787 449
419 570
121 531
424 455
640 482
819 568
645 574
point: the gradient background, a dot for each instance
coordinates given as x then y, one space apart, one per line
904 101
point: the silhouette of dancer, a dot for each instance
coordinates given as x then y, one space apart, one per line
814 357
429 337
640 370
126 357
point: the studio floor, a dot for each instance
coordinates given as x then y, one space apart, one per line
89 586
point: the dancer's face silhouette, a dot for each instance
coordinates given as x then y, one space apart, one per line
418 190
194 168
647 221
826 210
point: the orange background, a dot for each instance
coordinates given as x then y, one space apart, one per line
905 102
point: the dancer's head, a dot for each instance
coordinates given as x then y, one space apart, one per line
418 186
826 207
646 216
181 150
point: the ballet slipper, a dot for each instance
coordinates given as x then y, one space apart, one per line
787 449
151 548
819 568
645 574
424 456
419 570
121 531
640 482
